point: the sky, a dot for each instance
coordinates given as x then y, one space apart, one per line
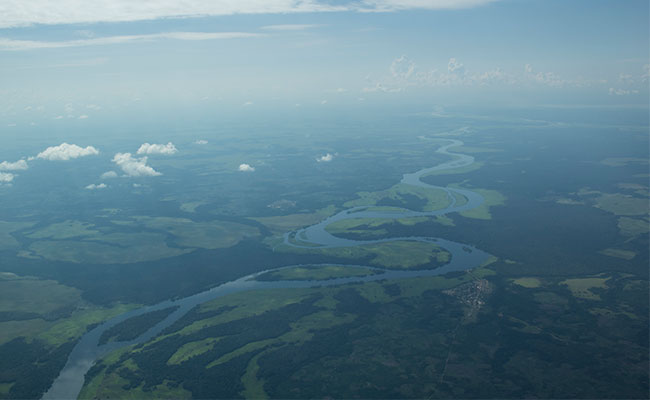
83 59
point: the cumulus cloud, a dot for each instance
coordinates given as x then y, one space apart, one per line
13 166
65 151
133 166
24 13
455 67
82 116
92 186
147 148
109 175
15 44
402 68
326 158
6 177
246 168
201 141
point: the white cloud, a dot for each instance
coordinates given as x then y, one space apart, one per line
66 151
13 166
147 148
6 177
15 13
200 141
402 68
92 186
289 27
11 44
455 67
82 116
326 158
621 92
246 168
248 103
59 117
109 175
323 102
134 166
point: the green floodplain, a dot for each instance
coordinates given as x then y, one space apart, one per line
561 310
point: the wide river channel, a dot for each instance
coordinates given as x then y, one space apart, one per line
463 257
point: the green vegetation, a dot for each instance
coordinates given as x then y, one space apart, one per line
292 222
619 253
414 198
192 349
318 272
7 241
492 199
64 230
581 287
528 282
191 206
462 170
133 327
633 226
621 204
73 327
371 227
392 255
623 161
141 247
207 235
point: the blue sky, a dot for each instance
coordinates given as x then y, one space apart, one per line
74 59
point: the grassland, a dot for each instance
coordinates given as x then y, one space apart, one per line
621 204
633 226
370 227
527 282
64 230
392 255
139 247
286 223
461 170
581 287
240 307
492 199
7 241
431 199
47 310
317 272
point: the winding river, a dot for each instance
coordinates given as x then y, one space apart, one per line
463 257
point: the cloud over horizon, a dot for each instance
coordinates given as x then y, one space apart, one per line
65 151
19 13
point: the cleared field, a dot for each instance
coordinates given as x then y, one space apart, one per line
581 287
